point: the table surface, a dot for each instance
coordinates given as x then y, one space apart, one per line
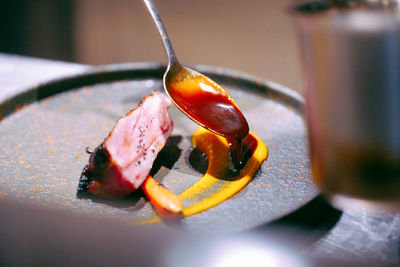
321 234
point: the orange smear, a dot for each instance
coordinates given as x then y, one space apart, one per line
217 150
160 197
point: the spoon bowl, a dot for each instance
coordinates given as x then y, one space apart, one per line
205 102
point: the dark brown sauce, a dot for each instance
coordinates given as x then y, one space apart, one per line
207 103
213 111
241 152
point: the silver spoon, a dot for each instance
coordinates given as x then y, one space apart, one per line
197 96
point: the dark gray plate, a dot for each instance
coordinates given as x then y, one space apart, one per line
45 130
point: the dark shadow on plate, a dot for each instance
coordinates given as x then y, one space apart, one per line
134 199
197 160
306 225
168 156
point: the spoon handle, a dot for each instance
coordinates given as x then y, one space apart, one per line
163 32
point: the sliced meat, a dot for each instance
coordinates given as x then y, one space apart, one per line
122 162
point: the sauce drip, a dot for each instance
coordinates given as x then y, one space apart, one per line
236 148
207 103
241 150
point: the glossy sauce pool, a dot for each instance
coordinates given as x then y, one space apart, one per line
212 107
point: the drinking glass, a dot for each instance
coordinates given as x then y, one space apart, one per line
350 54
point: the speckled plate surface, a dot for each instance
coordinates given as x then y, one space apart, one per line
45 130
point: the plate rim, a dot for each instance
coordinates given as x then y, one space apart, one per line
123 71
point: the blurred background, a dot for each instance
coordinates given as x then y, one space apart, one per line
252 36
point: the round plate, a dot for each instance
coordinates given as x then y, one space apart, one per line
46 129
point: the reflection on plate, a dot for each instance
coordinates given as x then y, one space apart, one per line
43 146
